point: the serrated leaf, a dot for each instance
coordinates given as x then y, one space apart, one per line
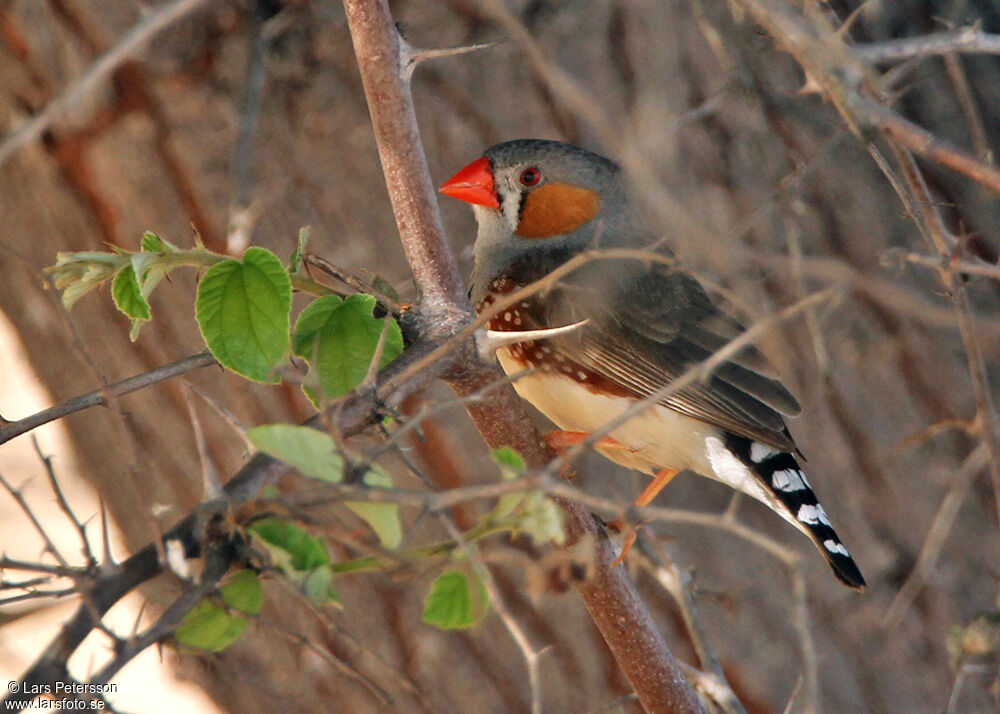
243 309
307 551
244 592
311 452
453 604
382 517
338 339
209 627
127 295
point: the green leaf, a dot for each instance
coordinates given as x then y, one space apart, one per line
509 458
452 604
209 627
311 452
382 517
307 551
511 466
317 586
128 296
338 339
243 592
243 311
536 514
542 519
152 243
302 557
295 262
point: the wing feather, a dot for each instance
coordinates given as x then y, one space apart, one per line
648 325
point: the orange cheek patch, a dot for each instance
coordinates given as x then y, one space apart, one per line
556 209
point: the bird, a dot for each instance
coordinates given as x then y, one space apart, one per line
618 326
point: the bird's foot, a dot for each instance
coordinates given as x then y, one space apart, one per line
629 533
659 482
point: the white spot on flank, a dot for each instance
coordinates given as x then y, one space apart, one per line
547 350
788 480
812 515
581 374
525 304
506 317
517 320
759 452
538 354
835 547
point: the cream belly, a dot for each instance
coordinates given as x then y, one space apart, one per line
655 438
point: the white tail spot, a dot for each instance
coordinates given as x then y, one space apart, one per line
835 547
812 515
760 452
788 480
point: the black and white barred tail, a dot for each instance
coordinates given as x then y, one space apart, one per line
779 472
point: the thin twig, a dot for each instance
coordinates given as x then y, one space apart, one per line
50 546
211 486
965 40
86 86
967 101
517 633
304 643
937 534
104 396
677 582
63 503
810 663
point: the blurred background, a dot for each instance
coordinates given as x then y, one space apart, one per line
246 121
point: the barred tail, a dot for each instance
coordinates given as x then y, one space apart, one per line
779 473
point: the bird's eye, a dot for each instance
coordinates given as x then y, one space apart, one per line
530 177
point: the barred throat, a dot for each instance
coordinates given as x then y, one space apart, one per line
779 472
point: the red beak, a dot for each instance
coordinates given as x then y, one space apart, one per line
473 184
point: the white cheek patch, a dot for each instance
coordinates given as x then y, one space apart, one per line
510 205
812 515
789 480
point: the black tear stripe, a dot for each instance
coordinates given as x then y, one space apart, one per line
779 472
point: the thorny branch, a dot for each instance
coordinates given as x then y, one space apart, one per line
609 596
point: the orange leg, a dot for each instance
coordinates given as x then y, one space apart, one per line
659 482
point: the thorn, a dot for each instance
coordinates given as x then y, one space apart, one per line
410 56
489 341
